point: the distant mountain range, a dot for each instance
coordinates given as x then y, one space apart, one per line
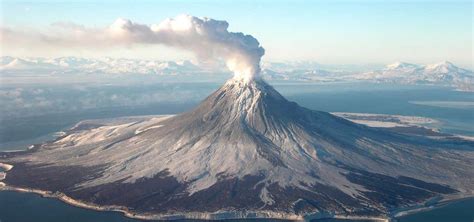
444 73
12 65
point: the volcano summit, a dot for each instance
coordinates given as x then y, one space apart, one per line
245 151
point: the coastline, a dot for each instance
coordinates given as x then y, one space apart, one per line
219 215
427 205
222 215
424 207
144 216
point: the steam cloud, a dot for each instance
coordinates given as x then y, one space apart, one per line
206 38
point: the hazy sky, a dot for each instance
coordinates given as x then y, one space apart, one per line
332 32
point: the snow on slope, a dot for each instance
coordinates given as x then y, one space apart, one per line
246 147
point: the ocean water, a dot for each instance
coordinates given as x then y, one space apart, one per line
459 211
28 207
18 132
389 99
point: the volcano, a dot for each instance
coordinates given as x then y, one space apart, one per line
245 151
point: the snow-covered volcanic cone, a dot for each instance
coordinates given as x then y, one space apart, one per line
244 149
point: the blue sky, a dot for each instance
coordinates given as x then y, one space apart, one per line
332 32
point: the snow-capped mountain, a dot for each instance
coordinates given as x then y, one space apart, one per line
61 65
399 71
247 150
10 63
314 75
444 73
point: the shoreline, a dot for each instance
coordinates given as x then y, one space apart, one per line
437 202
218 215
423 207
222 215
125 211
230 215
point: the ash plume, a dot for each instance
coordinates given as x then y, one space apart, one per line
207 38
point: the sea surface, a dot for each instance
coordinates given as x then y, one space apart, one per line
453 110
458 211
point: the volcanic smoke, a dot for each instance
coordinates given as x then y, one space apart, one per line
207 38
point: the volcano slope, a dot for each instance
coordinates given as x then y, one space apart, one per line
245 151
